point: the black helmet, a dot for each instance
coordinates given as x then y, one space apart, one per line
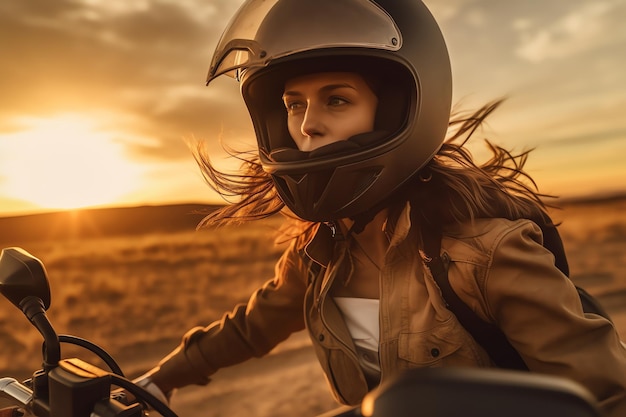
396 43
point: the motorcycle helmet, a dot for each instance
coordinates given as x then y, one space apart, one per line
395 44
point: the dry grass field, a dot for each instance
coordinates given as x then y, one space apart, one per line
135 295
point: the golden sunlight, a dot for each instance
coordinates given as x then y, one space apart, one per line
66 162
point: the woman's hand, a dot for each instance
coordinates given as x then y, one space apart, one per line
145 382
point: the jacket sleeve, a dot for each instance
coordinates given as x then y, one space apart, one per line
272 313
538 309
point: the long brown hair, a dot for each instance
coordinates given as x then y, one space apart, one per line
460 188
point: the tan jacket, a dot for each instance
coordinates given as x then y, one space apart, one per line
498 267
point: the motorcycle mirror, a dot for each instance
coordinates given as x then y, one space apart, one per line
21 276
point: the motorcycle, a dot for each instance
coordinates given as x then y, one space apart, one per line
75 388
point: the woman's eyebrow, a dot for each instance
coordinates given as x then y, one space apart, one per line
324 89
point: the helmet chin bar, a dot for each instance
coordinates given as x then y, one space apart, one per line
326 193
307 195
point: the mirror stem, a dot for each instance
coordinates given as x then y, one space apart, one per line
34 310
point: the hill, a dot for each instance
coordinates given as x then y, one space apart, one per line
133 221
94 223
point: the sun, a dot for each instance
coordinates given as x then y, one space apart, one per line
66 162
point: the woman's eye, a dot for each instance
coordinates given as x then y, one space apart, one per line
336 101
292 106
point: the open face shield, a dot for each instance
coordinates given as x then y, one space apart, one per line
255 35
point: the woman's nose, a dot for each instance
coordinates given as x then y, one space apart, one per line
312 122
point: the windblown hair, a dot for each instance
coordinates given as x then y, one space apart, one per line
451 183
462 190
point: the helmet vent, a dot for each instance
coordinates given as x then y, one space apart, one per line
368 179
295 178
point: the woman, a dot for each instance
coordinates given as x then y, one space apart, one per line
350 103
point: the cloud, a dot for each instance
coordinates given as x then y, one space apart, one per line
88 48
144 60
591 25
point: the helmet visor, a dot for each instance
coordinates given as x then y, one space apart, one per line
263 30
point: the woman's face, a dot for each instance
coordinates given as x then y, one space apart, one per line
324 108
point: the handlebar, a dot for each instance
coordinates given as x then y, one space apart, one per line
77 388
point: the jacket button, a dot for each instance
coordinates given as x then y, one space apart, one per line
434 352
321 338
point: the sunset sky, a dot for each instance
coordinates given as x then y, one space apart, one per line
98 97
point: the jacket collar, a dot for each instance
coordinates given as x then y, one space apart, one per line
320 247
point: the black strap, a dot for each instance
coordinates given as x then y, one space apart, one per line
488 335
552 241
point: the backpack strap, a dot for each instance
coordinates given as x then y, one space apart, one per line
488 335
553 242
